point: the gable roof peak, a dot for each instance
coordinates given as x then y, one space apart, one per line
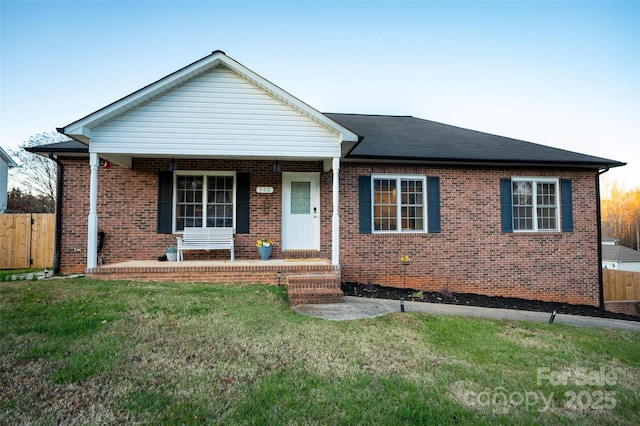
81 129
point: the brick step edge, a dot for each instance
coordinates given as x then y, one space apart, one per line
314 289
310 280
316 298
293 287
306 287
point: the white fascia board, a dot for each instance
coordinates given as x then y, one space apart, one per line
79 133
7 159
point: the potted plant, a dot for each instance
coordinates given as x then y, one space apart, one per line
264 248
172 255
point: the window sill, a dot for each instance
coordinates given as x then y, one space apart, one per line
557 232
396 233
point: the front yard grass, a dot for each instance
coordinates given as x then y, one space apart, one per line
116 352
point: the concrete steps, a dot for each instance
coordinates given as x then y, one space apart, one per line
314 289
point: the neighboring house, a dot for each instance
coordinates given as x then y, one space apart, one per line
5 164
620 257
216 145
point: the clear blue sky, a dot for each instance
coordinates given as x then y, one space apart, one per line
563 74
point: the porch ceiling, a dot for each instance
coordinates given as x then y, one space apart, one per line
124 160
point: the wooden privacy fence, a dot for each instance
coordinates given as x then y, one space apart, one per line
621 285
27 240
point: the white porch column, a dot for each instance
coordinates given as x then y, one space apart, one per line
92 232
335 218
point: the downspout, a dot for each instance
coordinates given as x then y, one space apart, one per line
599 230
58 231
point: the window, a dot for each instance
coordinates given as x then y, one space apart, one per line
204 200
535 204
398 203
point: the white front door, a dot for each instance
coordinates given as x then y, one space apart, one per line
300 211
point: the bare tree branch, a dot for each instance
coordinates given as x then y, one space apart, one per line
36 174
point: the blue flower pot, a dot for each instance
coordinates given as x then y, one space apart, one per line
265 252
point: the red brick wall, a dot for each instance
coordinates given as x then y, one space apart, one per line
75 210
471 253
127 210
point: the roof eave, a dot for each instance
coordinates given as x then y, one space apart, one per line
8 159
59 149
498 162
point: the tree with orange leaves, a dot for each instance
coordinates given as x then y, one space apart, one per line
621 215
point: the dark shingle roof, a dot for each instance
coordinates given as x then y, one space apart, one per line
387 137
68 146
619 254
410 138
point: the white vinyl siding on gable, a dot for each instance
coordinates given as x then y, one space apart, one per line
216 114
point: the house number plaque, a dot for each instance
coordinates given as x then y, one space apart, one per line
264 190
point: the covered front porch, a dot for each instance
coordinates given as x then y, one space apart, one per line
212 145
216 135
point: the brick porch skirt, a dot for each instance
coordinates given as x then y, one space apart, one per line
307 280
629 307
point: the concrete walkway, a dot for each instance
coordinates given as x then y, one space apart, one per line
361 307
40 275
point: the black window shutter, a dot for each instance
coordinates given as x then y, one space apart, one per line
506 202
364 197
433 204
165 202
566 194
243 193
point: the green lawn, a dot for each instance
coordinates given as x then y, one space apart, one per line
95 352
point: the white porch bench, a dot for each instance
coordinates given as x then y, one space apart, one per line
206 239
